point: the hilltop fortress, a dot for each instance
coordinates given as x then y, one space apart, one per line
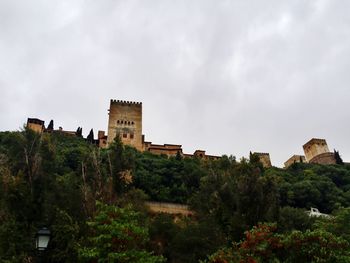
125 121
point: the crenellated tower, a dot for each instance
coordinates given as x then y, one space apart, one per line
316 151
125 120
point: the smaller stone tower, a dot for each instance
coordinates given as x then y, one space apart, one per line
36 125
316 151
264 159
125 120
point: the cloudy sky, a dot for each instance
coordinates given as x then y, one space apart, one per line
225 76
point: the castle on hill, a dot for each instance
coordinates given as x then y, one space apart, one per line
125 121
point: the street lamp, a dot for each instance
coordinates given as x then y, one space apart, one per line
42 239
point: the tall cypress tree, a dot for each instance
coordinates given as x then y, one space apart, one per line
338 159
90 137
79 132
50 127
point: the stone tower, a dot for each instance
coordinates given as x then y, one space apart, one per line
125 120
36 125
265 159
315 147
316 151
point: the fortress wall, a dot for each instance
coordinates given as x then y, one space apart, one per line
169 208
295 159
324 158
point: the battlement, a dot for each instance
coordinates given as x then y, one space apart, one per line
126 103
35 121
314 141
36 125
260 154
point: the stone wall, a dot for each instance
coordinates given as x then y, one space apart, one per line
324 158
295 159
167 149
169 208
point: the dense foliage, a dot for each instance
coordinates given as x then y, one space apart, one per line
242 211
117 235
264 244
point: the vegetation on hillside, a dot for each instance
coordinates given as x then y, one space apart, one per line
92 200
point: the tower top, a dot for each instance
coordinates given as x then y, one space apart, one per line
123 102
314 141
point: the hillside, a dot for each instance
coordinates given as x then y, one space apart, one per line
77 189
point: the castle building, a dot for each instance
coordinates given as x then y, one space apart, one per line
102 139
265 159
294 159
316 151
125 121
36 125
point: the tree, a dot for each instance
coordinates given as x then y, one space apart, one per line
178 156
294 219
79 132
63 243
90 137
117 164
338 159
264 244
50 127
339 224
254 160
194 242
117 236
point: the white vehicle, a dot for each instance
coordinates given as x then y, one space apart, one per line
314 212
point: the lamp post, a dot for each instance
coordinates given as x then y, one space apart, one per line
42 239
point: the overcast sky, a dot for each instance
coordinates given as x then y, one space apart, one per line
227 77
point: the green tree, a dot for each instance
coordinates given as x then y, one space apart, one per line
120 165
264 244
291 218
117 236
79 132
338 159
338 224
64 238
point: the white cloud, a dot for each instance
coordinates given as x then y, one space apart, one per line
226 76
